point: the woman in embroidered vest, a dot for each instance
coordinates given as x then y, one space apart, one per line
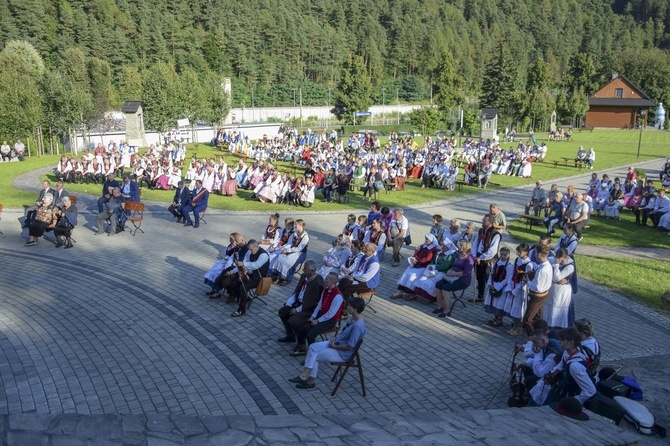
457 278
615 202
517 295
336 350
496 294
272 234
223 261
570 375
336 256
292 254
45 219
286 233
423 256
377 236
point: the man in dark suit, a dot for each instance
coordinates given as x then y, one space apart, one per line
60 194
180 200
299 307
130 190
31 212
198 204
107 187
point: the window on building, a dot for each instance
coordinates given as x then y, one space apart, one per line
619 92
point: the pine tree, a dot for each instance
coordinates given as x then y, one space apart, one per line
353 90
498 89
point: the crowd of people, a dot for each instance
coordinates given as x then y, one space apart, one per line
9 153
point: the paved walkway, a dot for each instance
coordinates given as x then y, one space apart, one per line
120 326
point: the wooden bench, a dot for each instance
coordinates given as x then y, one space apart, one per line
555 162
136 216
586 129
490 183
460 184
531 220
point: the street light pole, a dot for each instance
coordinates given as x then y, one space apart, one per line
253 109
639 141
383 101
294 90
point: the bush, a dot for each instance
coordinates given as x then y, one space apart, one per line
641 174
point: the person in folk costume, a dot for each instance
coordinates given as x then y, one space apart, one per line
485 251
502 272
283 240
516 298
348 229
335 257
615 202
354 259
556 309
423 256
541 358
570 376
377 236
223 261
272 235
570 242
539 282
292 254
442 262
358 233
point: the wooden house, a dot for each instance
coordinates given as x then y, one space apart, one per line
618 105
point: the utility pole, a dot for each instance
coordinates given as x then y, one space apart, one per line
294 90
431 91
397 105
640 123
384 102
253 110
300 106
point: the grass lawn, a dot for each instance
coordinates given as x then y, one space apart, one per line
10 197
644 280
613 148
603 232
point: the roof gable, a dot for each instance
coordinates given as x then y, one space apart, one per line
131 107
629 90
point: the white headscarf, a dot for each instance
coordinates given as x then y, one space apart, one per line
432 241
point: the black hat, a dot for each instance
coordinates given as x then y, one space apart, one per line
570 407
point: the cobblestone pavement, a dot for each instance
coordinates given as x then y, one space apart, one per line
121 326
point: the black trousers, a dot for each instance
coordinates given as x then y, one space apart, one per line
309 332
482 274
242 289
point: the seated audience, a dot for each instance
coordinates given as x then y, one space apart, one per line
223 260
335 257
67 220
291 255
324 317
114 214
45 219
615 202
252 267
422 257
301 304
197 204
364 276
180 201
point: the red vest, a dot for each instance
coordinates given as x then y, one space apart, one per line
327 300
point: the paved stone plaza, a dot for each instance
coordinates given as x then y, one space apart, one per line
120 325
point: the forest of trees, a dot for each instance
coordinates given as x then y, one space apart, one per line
523 56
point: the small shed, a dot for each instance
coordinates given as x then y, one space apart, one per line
618 104
135 133
489 123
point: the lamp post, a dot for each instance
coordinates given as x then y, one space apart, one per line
294 90
384 101
253 110
643 113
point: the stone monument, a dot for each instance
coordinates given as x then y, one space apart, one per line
135 134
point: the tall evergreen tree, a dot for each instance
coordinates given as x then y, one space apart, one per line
499 83
353 90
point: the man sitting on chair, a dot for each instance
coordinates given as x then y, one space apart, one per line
336 350
324 317
253 268
115 211
180 201
299 307
197 205
366 276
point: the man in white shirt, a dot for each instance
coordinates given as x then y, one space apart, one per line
256 265
397 231
661 207
19 148
578 214
324 317
538 287
538 198
5 151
